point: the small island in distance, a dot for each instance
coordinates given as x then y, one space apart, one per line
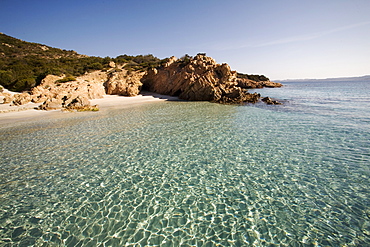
61 79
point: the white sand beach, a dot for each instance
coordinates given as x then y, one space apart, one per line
10 114
121 101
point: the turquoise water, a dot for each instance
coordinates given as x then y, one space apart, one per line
193 173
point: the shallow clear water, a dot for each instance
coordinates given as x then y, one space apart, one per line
193 174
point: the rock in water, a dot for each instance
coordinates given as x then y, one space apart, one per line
270 101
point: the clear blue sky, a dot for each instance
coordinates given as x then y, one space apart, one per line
282 39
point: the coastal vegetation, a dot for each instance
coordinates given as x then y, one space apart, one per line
256 78
66 79
23 65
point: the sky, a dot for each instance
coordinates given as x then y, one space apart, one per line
281 39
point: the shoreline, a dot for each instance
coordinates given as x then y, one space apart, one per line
116 101
11 114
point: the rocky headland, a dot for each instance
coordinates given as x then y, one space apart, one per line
53 78
200 78
197 78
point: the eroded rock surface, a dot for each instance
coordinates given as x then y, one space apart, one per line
250 84
7 98
124 83
55 93
199 78
21 99
270 101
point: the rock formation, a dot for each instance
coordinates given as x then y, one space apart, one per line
250 84
8 98
270 101
55 93
21 99
199 78
124 83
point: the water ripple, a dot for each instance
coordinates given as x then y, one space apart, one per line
185 174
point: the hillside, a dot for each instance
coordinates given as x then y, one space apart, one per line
23 64
16 48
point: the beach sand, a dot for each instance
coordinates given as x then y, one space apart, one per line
10 114
120 101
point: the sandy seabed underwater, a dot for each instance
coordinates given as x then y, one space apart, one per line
193 173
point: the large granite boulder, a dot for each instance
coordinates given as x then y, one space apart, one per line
56 94
124 83
21 99
199 78
51 104
80 103
8 98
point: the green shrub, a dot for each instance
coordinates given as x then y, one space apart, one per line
96 66
66 79
6 78
185 60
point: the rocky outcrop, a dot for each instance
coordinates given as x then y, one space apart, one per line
199 78
51 104
7 98
55 92
21 99
250 84
80 103
270 101
124 83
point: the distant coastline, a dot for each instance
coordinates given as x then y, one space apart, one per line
337 79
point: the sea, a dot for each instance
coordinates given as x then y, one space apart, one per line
178 173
